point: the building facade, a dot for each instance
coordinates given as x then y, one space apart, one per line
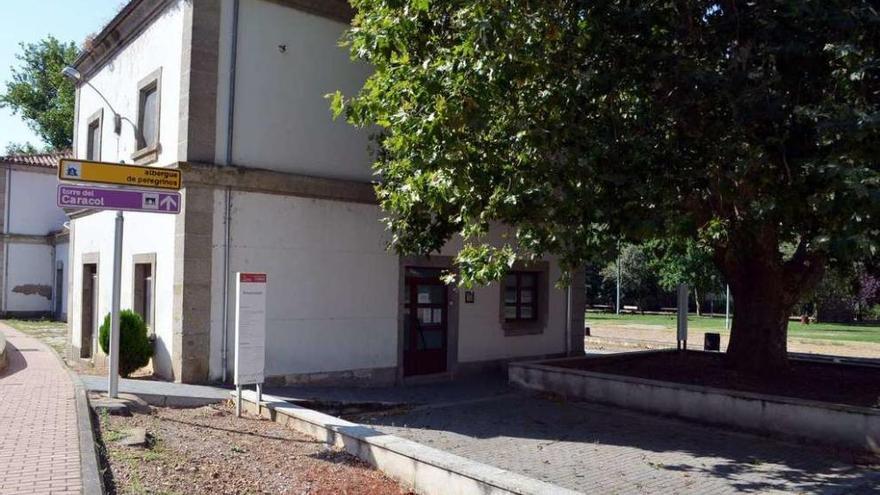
232 93
34 242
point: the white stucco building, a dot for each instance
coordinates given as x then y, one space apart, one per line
34 242
232 94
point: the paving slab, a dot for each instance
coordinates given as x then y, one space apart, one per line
598 449
39 434
160 393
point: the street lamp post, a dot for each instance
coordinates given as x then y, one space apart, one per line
113 372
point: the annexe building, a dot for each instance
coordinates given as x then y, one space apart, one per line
233 94
34 241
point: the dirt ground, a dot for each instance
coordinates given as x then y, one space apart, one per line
209 450
639 336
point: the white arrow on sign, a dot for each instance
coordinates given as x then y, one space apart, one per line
168 203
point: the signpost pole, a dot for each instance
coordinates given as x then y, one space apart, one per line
727 310
113 385
238 401
259 398
682 316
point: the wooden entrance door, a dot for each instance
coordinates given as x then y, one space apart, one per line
425 325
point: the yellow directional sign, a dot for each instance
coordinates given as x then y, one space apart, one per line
119 174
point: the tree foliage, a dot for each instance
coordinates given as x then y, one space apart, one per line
747 126
683 261
40 94
638 279
21 149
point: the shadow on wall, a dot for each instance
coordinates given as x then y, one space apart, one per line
162 360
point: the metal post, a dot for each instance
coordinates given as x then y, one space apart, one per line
113 385
238 401
259 398
727 310
682 316
618 284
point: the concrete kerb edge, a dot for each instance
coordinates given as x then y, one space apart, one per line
92 482
3 359
772 415
481 477
547 365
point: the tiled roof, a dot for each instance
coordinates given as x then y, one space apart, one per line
44 160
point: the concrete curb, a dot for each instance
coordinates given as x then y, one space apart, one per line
828 423
92 482
3 359
424 469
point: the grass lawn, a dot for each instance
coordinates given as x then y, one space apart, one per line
53 333
823 331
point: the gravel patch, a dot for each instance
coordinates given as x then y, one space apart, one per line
209 450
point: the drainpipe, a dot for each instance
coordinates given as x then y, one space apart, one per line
568 320
8 205
227 213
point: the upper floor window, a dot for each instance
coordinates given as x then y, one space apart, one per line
148 111
521 296
93 137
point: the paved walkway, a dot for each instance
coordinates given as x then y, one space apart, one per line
39 443
160 393
598 449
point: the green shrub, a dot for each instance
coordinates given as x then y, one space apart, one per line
135 348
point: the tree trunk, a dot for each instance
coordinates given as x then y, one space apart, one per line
765 289
697 302
759 334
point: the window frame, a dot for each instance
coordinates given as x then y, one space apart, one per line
95 121
519 287
144 259
148 153
536 325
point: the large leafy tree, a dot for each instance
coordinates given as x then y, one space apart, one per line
750 126
40 94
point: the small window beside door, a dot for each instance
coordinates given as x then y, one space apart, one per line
149 93
93 136
523 308
521 296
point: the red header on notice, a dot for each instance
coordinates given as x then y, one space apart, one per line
253 278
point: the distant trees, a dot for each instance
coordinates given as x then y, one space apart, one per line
41 95
846 294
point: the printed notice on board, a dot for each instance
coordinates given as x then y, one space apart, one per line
250 328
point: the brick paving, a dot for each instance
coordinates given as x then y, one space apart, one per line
39 444
597 449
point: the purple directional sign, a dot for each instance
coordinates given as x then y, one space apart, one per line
106 198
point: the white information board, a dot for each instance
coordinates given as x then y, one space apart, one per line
250 328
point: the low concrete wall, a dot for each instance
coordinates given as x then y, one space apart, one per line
834 424
3 359
423 469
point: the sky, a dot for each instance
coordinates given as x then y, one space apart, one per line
32 20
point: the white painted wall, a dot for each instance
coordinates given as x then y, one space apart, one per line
32 207
159 45
30 265
61 253
332 287
481 336
143 233
282 119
